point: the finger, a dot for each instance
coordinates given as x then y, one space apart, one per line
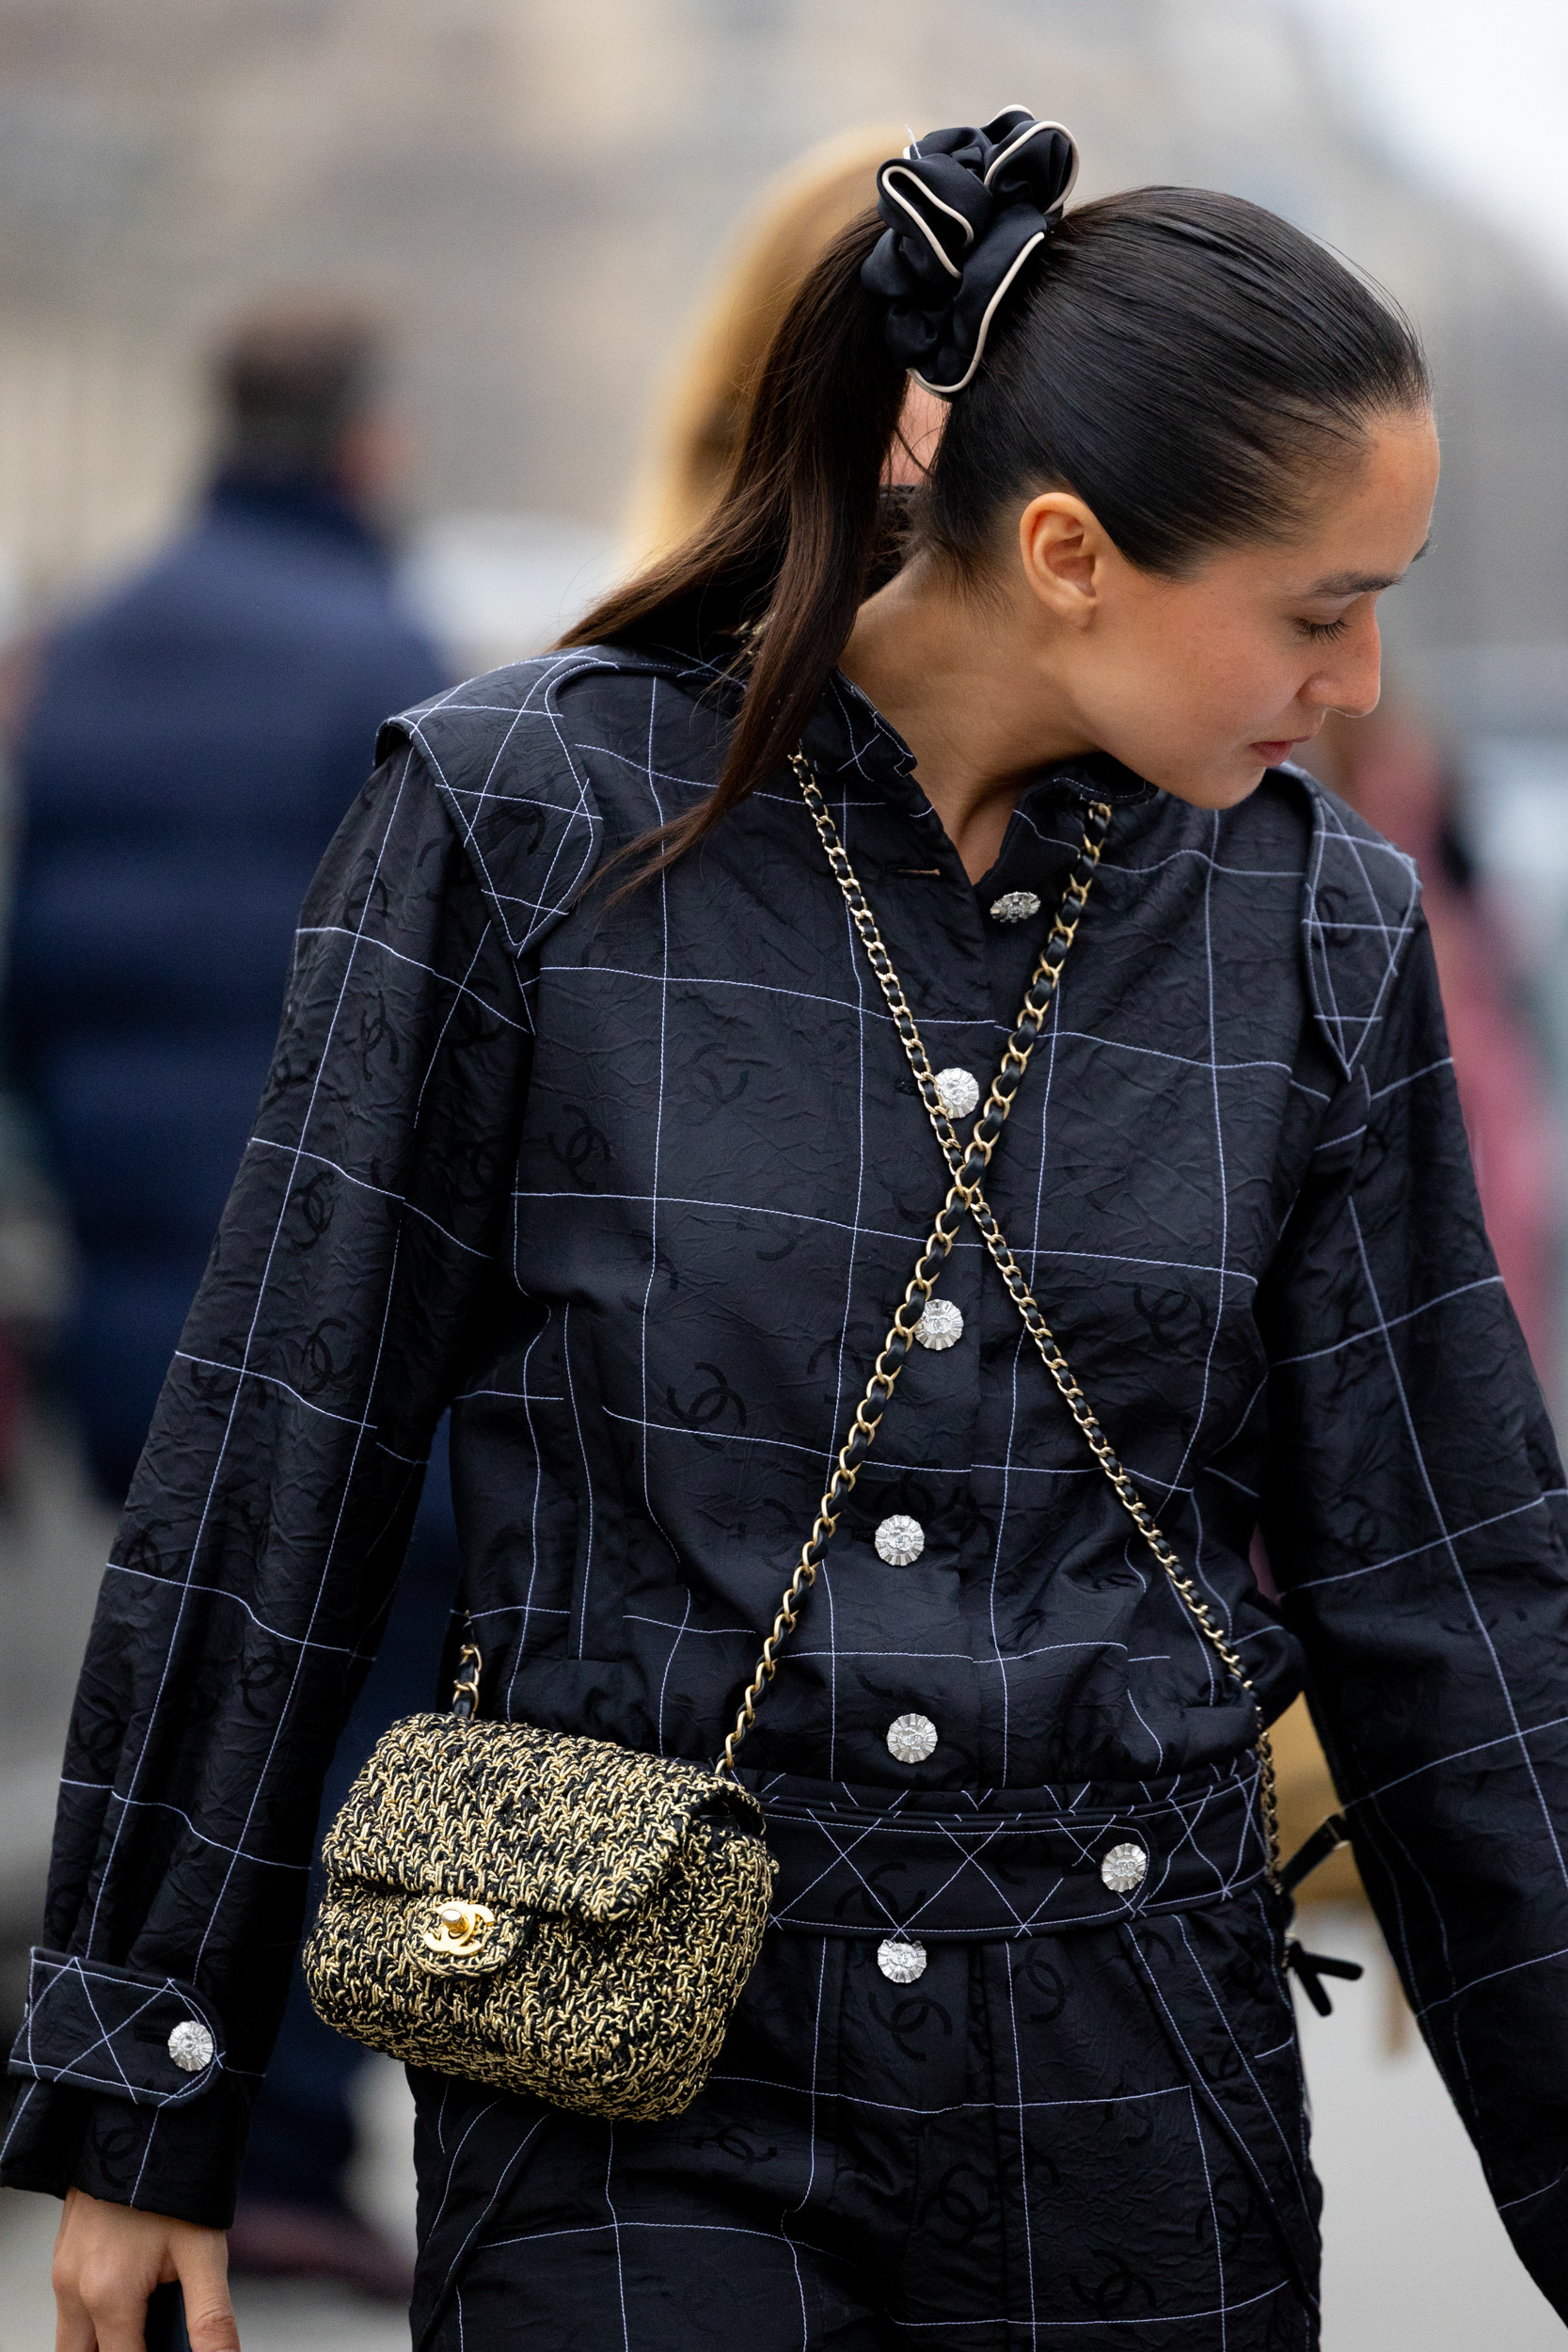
116 2315
204 2277
72 2328
72 2322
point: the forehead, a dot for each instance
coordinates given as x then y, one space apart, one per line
1368 522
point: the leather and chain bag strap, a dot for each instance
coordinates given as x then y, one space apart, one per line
564 1917
967 1163
559 1916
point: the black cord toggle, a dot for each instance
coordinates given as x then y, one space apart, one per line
1311 1968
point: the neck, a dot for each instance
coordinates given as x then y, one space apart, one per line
308 500
968 684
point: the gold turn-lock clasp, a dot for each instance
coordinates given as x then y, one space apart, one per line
459 1928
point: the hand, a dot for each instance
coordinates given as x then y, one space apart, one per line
109 2258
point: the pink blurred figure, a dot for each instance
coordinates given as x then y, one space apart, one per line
1390 769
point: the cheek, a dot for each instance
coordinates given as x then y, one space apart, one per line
1179 703
1221 685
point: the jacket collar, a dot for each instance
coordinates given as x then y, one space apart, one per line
849 733
300 503
847 739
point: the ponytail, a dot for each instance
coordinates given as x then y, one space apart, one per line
1186 363
785 559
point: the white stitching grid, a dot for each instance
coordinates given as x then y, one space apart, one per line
52 1979
537 1451
861 1009
1353 940
1169 1831
259 1294
1452 1549
1009 1963
588 1563
659 1137
1021 1345
1213 2214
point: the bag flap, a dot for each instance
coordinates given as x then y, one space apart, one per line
522 1819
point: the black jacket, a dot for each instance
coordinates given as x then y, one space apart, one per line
637 1182
190 748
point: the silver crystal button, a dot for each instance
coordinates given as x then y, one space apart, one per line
941 1327
911 1738
958 1090
899 1540
900 1959
191 2046
1014 906
1123 1869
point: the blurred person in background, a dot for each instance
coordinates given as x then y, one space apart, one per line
187 748
1390 769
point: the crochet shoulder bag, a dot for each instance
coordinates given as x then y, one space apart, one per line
566 1918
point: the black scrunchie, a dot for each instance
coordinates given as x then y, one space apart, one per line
965 209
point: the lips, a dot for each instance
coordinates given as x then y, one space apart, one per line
1272 754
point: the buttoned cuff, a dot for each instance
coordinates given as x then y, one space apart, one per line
146 2038
125 2092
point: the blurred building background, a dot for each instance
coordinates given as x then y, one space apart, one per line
537 194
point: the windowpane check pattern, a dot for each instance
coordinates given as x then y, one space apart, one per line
634 1182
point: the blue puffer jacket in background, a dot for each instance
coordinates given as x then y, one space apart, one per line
194 741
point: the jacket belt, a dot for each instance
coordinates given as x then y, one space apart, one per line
1014 1862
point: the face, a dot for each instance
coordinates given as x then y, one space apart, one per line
1199 684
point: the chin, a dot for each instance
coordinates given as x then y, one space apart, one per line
1217 787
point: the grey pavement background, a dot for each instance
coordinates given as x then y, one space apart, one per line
274 2316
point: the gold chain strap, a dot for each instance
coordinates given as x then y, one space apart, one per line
939 1243
966 1164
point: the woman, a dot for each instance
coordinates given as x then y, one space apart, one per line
588 1114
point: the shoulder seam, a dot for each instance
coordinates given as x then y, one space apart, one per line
1360 901
568 827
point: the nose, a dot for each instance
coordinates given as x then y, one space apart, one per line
1352 680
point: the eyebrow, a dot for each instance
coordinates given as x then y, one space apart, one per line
1363 583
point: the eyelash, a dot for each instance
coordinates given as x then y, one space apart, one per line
1320 631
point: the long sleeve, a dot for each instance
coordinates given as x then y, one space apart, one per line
270 1513
1415 1517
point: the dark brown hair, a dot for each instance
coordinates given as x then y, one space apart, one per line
289 378
1185 362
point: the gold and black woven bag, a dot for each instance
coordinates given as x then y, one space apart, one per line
567 1918
551 1915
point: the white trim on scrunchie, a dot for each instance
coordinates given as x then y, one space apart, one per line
946 391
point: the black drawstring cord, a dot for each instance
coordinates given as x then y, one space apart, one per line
1311 1968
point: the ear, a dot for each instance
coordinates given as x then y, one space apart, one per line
1065 554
